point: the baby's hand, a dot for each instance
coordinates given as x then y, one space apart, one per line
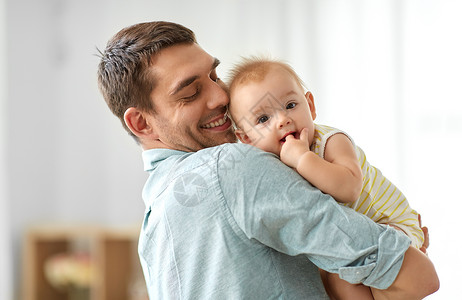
293 148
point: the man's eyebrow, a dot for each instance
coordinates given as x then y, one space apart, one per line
184 83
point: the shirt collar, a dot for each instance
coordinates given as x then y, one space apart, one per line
153 157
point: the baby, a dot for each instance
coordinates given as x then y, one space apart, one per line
271 111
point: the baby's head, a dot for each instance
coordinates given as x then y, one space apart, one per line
268 102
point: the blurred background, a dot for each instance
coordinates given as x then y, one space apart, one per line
389 72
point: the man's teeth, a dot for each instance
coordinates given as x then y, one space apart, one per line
216 123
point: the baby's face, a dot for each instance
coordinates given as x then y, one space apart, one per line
269 110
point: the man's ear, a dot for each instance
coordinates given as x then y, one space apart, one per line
310 98
137 123
244 138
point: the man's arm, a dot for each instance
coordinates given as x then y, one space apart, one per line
274 205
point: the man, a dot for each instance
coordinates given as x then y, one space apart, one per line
224 220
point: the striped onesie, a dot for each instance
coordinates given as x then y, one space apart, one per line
380 200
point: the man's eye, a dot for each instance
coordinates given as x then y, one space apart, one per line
291 105
262 119
192 97
214 76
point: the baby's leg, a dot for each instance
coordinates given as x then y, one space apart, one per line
339 289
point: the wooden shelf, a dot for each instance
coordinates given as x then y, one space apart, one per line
117 271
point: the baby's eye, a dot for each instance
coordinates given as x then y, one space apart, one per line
262 119
291 105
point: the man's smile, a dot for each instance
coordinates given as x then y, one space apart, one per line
221 123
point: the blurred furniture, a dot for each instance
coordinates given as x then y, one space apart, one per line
116 269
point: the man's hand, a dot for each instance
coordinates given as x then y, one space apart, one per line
293 148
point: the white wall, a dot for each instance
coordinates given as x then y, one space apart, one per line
432 79
6 290
393 65
68 158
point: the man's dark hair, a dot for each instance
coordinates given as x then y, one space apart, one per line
124 75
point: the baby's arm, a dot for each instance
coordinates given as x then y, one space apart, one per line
338 175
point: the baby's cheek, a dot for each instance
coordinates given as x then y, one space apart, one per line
265 145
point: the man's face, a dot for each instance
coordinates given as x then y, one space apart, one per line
189 100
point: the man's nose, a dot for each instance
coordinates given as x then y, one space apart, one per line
218 96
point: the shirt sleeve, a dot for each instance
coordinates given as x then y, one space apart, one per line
274 205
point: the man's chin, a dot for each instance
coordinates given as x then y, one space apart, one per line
224 137
232 138
229 137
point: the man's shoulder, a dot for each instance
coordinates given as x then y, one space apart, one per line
241 153
242 160
224 157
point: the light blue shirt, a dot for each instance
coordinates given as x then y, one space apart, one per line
233 222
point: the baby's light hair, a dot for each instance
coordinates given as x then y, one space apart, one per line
255 68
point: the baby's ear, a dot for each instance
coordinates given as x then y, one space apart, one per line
244 138
310 98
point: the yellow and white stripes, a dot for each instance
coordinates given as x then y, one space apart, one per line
380 200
